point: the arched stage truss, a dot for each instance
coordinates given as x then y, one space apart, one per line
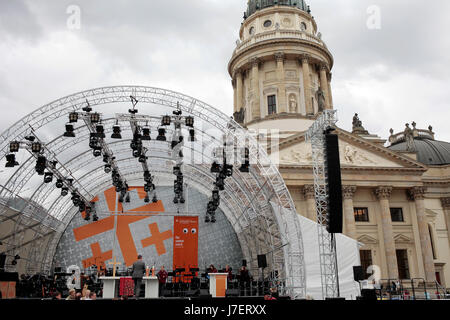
247 200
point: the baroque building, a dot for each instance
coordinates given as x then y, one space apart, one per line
396 193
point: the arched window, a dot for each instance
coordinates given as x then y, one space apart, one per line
303 26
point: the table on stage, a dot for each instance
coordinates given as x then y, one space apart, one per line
218 284
151 287
109 287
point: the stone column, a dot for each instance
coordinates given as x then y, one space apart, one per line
329 90
383 194
349 217
233 84
446 206
256 107
307 85
282 106
324 86
310 197
239 96
418 195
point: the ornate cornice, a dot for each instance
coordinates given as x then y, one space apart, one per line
445 202
279 56
383 193
309 192
254 61
348 192
416 193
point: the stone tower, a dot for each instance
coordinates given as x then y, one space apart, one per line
280 69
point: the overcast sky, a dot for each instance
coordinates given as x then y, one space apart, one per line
392 75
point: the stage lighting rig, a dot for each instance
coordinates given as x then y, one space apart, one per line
107 168
146 134
48 177
41 164
64 191
36 147
73 117
245 167
161 135
117 132
88 108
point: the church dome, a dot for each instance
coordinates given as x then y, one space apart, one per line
429 151
255 5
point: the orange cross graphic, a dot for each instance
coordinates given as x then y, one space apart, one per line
98 257
123 232
157 239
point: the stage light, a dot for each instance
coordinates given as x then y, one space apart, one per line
11 161
190 121
36 147
100 131
146 199
127 198
87 108
95 218
192 135
14 146
166 120
215 195
97 152
48 177
143 159
105 158
116 132
215 167
175 200
87 217
41 165
69 131
161 135
73 117
121 198
59 184
213 219
108 168
95 117
245 166
30 138
136 153
228 170
146 134
177 112
154 200
182 199
207 219
64 192
14 262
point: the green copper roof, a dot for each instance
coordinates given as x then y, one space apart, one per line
255 5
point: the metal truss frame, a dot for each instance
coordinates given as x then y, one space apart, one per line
246 201
327 241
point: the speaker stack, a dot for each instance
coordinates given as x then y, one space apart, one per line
334 183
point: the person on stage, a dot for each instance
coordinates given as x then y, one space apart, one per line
212 269
162 278
137 273
229 270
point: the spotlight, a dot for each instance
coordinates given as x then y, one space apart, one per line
213 219
14 146
143 159
175 200
73 117
30 138
133 111
245 166
40 165
182 199
87 217
154 200
48 177
192 135
105 158
190 121
95 218
59 184
64 192
215 167
136 153
146 199
11 161
146 134
97 152
121 198
108 168
146 188
36 147
161 135
100 131
166 120
69 131
95 117
116 132
228 170
127 198
207 219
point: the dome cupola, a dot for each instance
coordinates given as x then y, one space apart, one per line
255 5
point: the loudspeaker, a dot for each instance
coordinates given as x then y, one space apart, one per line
2 261
368 294
358 273
334 183
262 261
244 263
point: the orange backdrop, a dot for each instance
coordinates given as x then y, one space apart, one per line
185 243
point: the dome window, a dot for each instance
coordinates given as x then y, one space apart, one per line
303 26
252 30
267 24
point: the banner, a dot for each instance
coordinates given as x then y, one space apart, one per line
185 243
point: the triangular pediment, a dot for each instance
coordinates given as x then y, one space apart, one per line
354 152
366 239
400 238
